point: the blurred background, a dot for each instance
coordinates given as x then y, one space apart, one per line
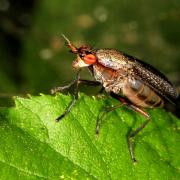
33 58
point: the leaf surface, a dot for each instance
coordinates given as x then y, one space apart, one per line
34 146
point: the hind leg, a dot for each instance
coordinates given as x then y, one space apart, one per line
132 134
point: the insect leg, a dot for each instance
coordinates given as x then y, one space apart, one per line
79 81
132 134
139 110
88 82
131 137
100 119
75 83
92 83
75 98
62 88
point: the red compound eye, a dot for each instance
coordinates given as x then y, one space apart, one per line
89 59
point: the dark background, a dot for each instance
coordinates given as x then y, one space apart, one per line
33 58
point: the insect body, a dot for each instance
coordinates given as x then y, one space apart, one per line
131 81
118 75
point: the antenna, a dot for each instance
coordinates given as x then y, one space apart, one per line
69 44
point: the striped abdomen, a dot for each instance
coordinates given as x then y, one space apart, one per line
141 95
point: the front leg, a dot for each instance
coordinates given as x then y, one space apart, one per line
75 97
68 86
76 82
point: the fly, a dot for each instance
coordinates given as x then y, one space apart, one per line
131 81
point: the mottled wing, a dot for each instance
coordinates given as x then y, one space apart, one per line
154 79
140 70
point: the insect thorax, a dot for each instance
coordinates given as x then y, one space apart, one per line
112 80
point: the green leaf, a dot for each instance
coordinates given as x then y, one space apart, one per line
34 146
